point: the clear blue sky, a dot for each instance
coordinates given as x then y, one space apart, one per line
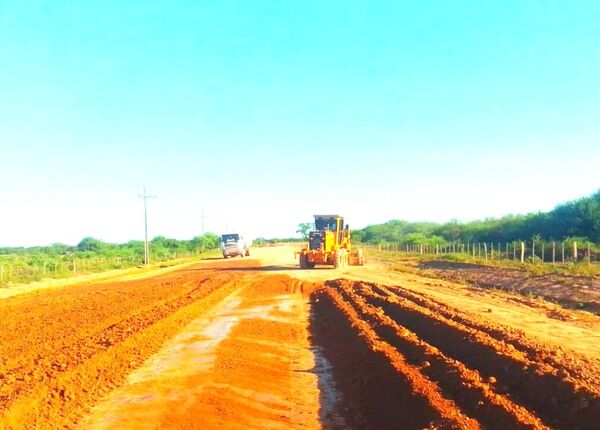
265 112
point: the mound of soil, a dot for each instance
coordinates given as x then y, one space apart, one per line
577 292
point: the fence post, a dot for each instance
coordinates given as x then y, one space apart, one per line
1 274
485 249
522 252
533 251
421 248
575 251
543 246
553 252
492 245
562 245
74 267
589 254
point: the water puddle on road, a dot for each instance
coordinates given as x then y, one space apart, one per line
206 378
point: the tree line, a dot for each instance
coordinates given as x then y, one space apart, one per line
89 247
578 219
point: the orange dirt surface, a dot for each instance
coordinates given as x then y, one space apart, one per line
580 292
257 343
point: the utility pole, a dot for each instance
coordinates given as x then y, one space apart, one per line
203 217
146 247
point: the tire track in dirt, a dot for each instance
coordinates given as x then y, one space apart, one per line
468 363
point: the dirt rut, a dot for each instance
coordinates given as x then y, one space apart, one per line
467 372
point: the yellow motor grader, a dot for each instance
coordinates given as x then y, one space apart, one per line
329 243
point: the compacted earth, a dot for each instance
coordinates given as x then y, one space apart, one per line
257 343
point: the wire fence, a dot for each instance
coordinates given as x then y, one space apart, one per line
23 270
533 251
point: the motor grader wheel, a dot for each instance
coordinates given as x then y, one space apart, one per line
337 260
357 258
340 259
304 261
360 257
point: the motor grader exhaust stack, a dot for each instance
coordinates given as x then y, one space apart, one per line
329 243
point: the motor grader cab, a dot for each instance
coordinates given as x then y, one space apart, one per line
329 243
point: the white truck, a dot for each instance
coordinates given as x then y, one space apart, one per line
233 244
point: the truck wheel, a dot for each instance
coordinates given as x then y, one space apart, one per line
247 253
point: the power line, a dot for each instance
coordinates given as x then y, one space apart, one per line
146 247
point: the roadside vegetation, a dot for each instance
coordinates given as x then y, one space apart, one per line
20 265
576 220
565 240
263 241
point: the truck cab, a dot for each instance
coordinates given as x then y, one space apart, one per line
233 244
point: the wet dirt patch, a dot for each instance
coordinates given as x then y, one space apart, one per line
237 367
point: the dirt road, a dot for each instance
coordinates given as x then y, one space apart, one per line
256 343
